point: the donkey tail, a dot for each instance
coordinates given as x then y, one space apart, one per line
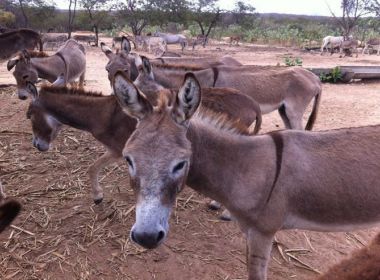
314 111
256 125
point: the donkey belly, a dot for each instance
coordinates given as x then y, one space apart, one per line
297 222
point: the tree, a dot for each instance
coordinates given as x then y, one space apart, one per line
374 7
244 14
206 14
133 13
97 11
352 11
71 16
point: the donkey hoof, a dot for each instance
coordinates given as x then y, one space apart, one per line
98 200
214 205
226 216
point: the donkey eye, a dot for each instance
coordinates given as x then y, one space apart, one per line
25 77
129 161
179 166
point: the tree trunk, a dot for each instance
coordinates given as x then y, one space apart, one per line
71 17
26 22
96 35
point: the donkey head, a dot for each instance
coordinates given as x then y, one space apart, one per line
158 154
121 60
45 127
145 80
24 73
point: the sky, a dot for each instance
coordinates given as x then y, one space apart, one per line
299 7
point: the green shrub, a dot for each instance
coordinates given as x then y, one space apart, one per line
332 77
293 61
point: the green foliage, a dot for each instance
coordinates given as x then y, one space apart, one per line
7 18
293 61
333 77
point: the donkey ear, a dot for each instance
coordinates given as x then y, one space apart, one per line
106 50
32 90
11 63
187 100
125 44
130 98
147 67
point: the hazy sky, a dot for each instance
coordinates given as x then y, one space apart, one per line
304 7
301 7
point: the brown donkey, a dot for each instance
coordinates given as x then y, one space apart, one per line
323 181
363 265
103 118
124 60
288 90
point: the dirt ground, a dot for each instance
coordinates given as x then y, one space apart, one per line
61 234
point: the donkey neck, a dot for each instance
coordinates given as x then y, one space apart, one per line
226 165
48 68
81 112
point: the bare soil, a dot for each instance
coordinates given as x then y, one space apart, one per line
61 234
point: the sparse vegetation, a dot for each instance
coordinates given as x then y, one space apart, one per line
293 61
197 17
334 76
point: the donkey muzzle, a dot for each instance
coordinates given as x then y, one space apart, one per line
148 240
42 146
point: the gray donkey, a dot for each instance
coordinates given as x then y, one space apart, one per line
65 66
290 179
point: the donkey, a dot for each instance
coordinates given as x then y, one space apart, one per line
17 40
65 66
288 90
103 118
121 60
288 179
54 39
229 101
374 43
124 60
364 265
85 38
333 42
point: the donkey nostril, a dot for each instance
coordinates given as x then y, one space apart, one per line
160 236
133 237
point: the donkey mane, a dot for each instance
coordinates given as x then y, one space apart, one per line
34 54
217 120
186 67
220 122
68 91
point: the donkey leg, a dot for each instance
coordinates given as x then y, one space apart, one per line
81 80
2 193
94 170
293 112
284 117
259 246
